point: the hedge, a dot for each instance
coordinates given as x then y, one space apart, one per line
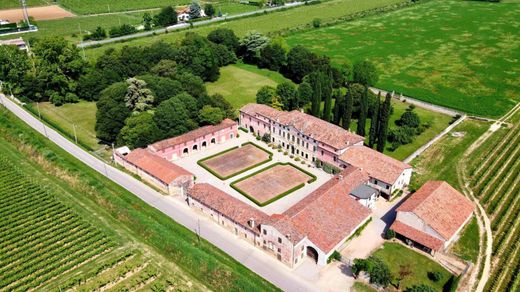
277 197
201 162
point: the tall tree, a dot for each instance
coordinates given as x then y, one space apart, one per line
209 9
167 16
265 95
226 37
363 112
287 93
14 65
338 106
272 57
365 73
374 124
348 109
172 117
139 131
327 108
383 123
315 80
111 112
209 115
196 55
195 10
304 94
138 97
251 45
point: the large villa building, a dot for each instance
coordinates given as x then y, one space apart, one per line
316 225
313 139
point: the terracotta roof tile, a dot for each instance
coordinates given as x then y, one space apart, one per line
377 164
440 206
158 167
311 126
417 235
227 205
329 214
192 135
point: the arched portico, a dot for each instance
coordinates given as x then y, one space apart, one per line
312 254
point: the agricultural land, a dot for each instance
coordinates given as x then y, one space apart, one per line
108 239
451 53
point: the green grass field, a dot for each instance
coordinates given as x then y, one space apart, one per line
7 4
467 247
459 54
271 22
105 6
396 255
81 114
439 162
163 253
239 83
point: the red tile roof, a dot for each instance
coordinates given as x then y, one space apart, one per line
158 167
329 214
377 164
418 236
440 206
308 125
227 205
192 135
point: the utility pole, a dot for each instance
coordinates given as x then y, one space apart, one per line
75 136
40 117
25 13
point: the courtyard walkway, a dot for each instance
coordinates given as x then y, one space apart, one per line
276 207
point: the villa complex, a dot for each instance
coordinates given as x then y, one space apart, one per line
313 139
318 222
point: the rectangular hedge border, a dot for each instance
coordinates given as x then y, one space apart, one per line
201 162
277 197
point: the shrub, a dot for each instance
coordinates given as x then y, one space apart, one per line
316 22
377 270
335 256
390 234
291 156
420 288
279 150
266 138
285 153
435 276
297 159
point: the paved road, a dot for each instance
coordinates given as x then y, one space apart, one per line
253 258
185 25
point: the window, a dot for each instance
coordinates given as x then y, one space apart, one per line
279 250
265 233
387 187
279 240
322 152
335 158
296 261
306 156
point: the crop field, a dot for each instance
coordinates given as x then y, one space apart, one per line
71 228
41 238
106 6
266 23
494 173
459 54
7 4
240 82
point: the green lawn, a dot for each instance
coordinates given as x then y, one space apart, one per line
459 54
81 114
104 6
396 255
175 249
266 23
361 287
7 4
438 123
467 247
239 83
439 162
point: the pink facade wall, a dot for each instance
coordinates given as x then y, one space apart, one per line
259 125
198 144
284 251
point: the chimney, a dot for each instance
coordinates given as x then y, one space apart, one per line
252 222
288 236
340 177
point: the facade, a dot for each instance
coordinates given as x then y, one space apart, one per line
432 217
195 141
300 134
315 227
365 195
312 139
164 175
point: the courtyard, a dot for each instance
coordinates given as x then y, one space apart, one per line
235 160
274 180
272 183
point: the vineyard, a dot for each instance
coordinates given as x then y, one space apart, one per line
46 245
494 173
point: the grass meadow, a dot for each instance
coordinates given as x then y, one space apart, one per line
396 255
459 54
467 247
7 4
239 83
265 23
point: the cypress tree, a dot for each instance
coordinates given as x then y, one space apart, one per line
347 110
338 106
363 111
374 124
384 117
316 83
327 107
